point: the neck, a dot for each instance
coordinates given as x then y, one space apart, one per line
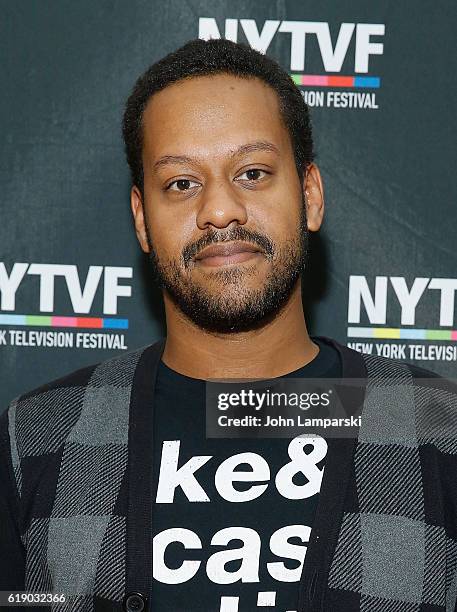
281 346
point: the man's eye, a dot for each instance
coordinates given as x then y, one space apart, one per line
253 174
181 185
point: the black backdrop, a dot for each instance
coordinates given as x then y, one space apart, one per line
382 275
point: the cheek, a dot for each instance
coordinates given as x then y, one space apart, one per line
286 197
279 218
169 231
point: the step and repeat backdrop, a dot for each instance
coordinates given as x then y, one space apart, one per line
381 81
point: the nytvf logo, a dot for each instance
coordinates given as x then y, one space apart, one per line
333 54
375 299
81 294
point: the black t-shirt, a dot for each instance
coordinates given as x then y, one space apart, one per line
221 544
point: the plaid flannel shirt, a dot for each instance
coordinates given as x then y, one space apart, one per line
76 464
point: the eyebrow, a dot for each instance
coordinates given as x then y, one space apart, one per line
250 147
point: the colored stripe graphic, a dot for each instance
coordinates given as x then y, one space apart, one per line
398 333
51 321
316 80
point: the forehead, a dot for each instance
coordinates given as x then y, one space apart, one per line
210 115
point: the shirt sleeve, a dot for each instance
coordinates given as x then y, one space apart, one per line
12 551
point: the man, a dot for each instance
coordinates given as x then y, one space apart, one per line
98 464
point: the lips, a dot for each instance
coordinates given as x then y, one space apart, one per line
227 250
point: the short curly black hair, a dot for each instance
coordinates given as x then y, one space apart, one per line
206 57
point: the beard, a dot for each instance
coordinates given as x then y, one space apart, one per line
227 304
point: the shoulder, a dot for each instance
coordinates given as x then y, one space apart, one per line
420 403
40 420
386 371
386 367
116 371
398 384
406 407
380 369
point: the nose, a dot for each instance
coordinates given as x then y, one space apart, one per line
220 205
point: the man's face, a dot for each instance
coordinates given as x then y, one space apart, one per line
224 213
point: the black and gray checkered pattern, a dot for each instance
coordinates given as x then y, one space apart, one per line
69 451
398 551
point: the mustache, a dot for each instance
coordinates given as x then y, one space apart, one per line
237 233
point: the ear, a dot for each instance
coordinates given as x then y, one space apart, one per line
136 204
314 197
